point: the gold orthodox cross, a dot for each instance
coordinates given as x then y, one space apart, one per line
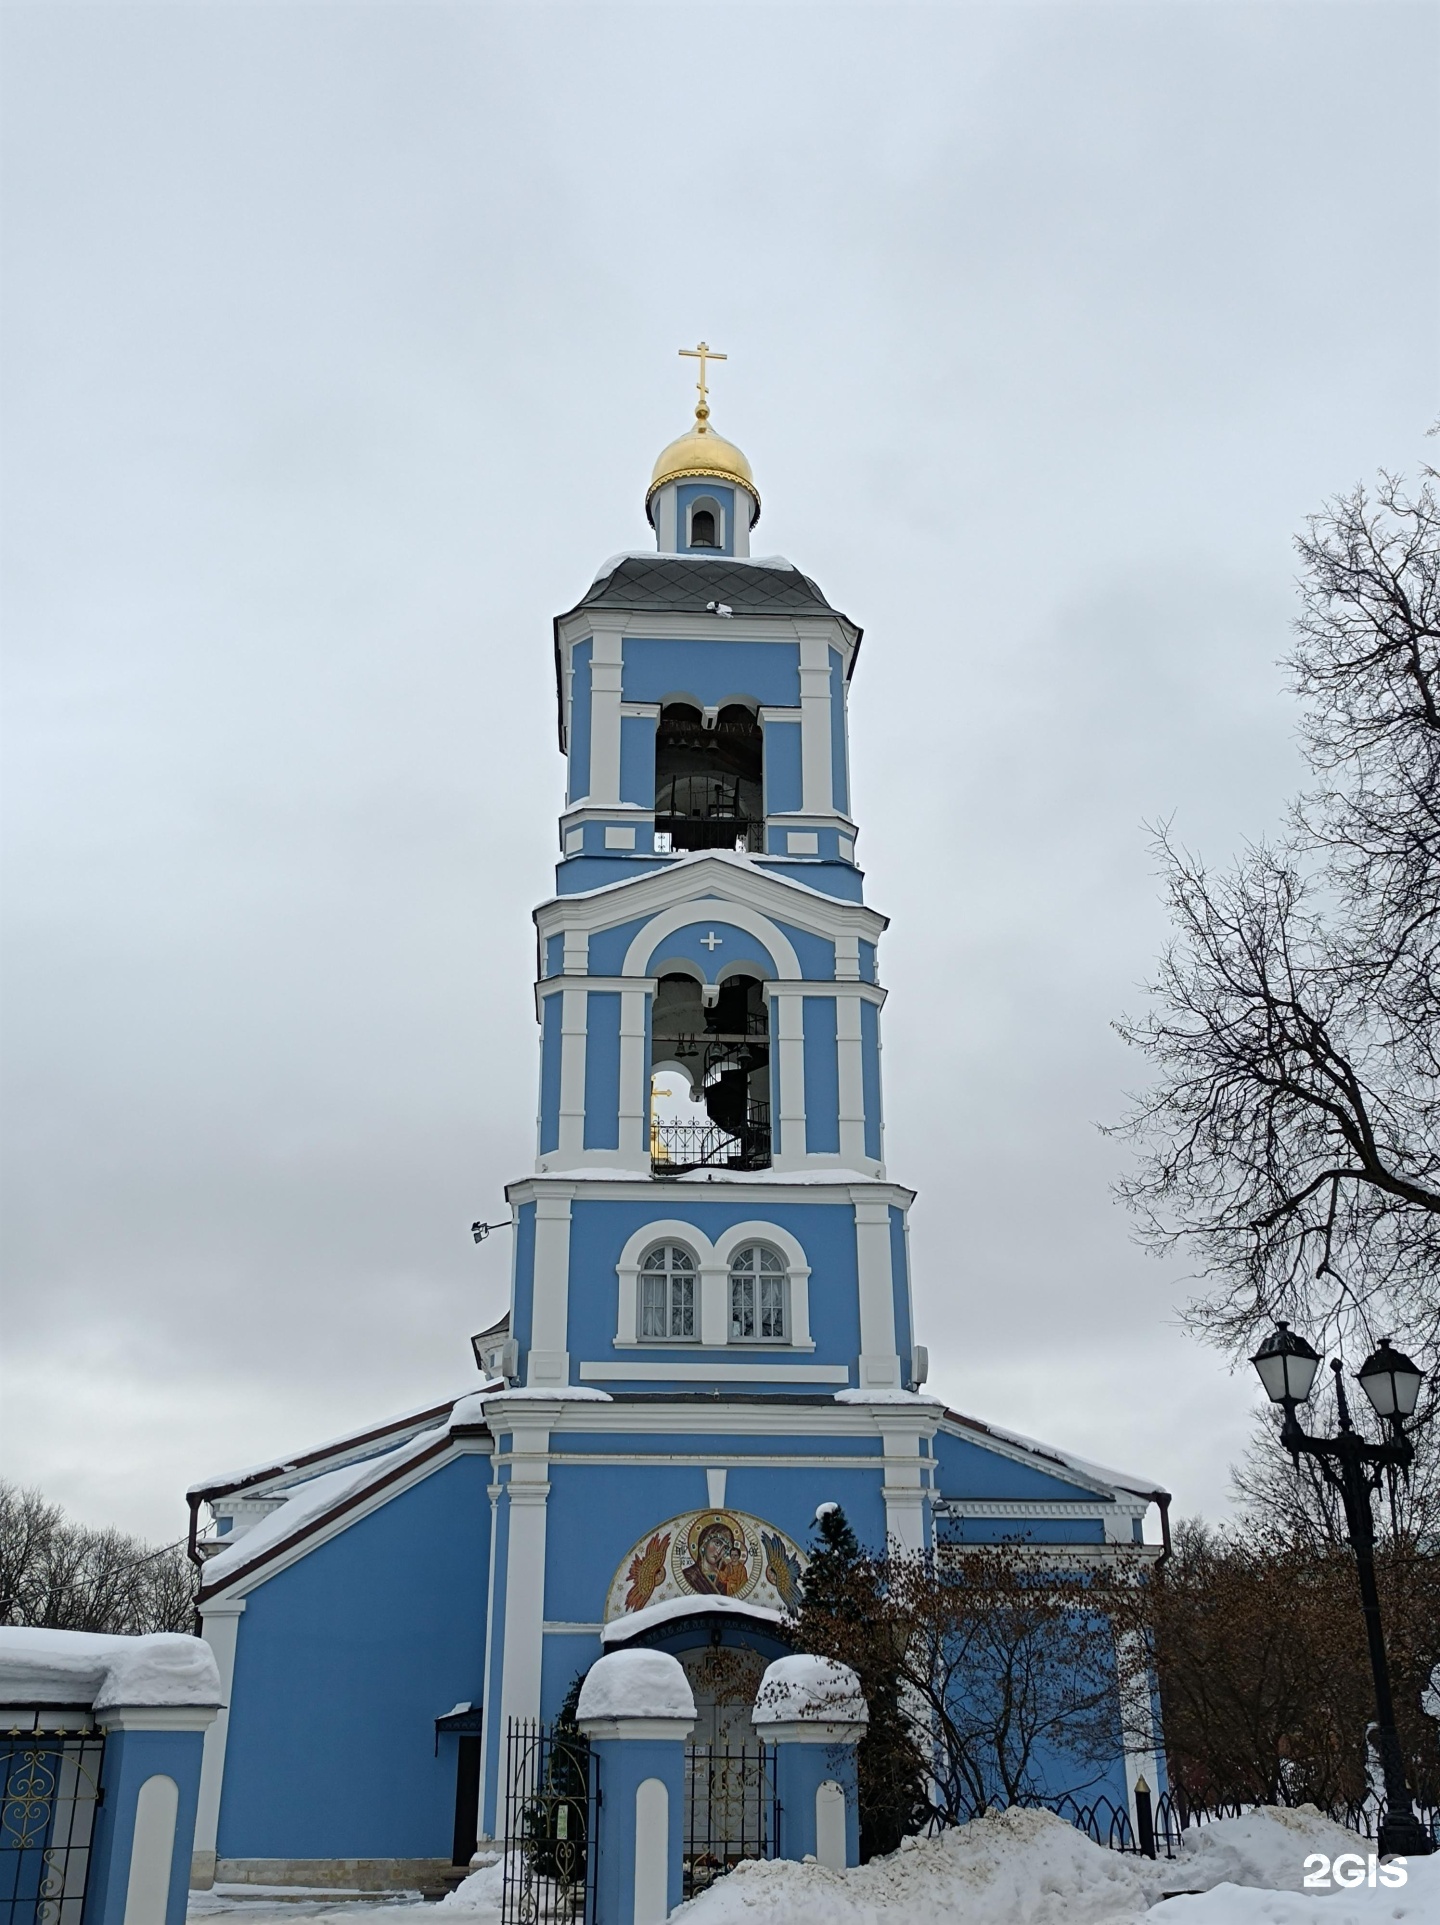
703 353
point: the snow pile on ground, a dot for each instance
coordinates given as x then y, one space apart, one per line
1016 1868
809 1688
86 1667
1416 1902
636 1684
1266 1847
479 1895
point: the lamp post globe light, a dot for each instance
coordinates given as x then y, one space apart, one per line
1287 1367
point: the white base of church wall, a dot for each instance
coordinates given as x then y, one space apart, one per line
345 1874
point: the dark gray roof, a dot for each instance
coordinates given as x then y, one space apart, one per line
672 584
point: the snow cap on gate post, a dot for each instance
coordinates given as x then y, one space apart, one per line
153 1698
813 1711
637 1710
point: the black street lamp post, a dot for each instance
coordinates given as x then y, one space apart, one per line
1355 1467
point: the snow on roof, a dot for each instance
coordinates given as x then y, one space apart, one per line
365 1444
808 1689
308 1501
633 1622
636 1684
83 1667
612 562
893 1395
1082 1466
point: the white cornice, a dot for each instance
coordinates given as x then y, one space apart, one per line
721 879
675 1190
700 625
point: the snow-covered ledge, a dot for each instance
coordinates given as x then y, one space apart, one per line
153 1697
165 1681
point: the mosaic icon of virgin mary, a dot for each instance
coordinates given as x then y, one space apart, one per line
719 1565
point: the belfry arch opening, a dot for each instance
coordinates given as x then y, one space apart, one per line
709 1077
710 778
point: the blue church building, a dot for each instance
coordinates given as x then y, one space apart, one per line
711 1325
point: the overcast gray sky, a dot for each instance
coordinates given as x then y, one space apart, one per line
339 341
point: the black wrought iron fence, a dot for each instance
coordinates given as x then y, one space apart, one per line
49 1789
677 1147
1155 1827
551 1844
731 1810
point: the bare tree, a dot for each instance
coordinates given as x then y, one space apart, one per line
1296 1506
1264 1676
72 1577
1291 1135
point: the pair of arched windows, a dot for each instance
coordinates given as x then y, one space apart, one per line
759 1287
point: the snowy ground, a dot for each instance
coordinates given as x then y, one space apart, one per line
1019 1868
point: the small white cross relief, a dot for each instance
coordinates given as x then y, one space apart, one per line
711 941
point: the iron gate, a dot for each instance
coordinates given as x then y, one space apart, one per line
731 1810
551 1847
49 1788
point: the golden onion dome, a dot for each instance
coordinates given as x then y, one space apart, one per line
702 454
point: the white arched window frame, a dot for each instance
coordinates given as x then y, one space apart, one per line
796 1272
759 1295
703 504
712 1271
669 1286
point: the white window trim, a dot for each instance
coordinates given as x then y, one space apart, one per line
712 1270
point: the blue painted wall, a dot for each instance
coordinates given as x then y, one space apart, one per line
784 787
599 1230
711 672
580 720
822 1075
970 1470
870 1076
551 1015
637 760
355 1651
839 765
602 1070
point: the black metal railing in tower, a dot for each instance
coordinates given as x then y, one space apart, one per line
678 1147
49 1789
731 1810
551 1843
743 833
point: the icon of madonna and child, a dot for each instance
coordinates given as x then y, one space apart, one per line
710 1553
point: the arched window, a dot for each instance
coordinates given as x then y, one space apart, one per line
706 523
759 1287
667 1292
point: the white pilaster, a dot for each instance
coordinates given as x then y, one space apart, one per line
549 1362
575 960
903 1427
605 673
714 1305
852 1082
571 1144
787 1026
879 1362
219 1626
816 789
526 1496
634 1150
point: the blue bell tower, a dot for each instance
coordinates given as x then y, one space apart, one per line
711 1261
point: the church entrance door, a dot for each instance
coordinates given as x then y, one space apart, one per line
730 1809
